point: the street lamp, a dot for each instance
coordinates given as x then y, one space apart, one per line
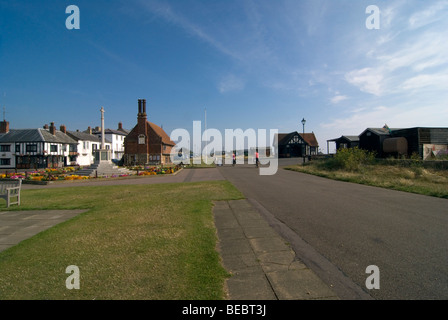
303 140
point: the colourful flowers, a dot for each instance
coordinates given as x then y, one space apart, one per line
76 177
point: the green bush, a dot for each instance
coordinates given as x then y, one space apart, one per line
351 159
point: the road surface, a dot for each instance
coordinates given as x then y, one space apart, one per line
341 228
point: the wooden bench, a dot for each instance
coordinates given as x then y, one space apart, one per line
11 189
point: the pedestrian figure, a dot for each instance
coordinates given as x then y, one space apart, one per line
257 158
234 159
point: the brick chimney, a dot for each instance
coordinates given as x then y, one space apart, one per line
46 126
89 130
144 107
120 126
4 126
52 129
141 117
63 129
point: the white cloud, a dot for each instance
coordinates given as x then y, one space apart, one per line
231 83
338 98
428 16
435 81
368 80
166 12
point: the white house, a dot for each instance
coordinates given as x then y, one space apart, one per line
87 144
115 137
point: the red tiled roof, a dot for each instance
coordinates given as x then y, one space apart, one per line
161 133
310 138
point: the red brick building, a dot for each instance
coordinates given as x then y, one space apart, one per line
147 143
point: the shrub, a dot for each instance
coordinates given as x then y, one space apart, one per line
351 159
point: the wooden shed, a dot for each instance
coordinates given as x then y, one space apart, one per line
345 142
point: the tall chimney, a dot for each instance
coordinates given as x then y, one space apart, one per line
142 109
52 128
4 126
63 128
140 106
144 106
120 126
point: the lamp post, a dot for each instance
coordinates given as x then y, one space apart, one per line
303 140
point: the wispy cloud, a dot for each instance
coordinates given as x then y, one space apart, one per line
367 80
231 83
438 81
430 15
166 12
338 98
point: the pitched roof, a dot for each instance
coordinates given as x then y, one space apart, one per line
380 131
161 133
349 138
310 139
78 135
35 135
112 131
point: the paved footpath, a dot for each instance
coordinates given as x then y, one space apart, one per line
16 226
262 264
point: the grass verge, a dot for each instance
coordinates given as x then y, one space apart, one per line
154 242
415 179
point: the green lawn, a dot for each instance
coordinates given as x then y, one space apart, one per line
135 242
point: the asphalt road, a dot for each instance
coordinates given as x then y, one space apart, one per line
339 229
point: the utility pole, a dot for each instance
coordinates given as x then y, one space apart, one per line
205 116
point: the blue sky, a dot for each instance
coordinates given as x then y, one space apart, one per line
252 63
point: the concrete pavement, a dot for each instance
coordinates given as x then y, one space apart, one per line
262 264
16 226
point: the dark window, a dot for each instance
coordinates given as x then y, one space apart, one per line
18 148
5 162
53 148
5 148
31 148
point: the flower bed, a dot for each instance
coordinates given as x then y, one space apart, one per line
50 174
152 171
69 174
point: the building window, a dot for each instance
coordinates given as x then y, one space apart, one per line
5 148
18 148
54 148
5 162
31 148
141 139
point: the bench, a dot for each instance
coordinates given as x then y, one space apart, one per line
10 189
